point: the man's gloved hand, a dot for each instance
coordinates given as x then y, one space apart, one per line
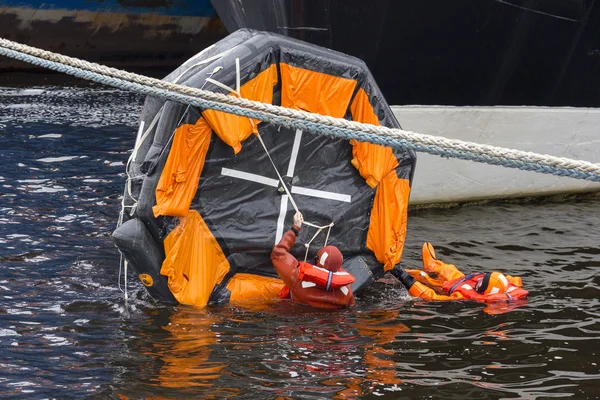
298 220
403 276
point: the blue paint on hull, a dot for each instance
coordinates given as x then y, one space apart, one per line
184 8
130 34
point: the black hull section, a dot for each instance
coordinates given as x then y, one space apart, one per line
450 52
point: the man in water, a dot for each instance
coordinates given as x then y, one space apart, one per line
324 285
441 281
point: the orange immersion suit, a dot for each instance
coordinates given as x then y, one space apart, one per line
438 276
299 288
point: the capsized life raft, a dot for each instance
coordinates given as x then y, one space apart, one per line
203 204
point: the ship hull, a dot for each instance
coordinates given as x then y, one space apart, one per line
450 52
559 131
137 36
456 57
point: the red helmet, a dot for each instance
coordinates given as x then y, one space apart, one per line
330 258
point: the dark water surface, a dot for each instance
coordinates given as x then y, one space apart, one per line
65 331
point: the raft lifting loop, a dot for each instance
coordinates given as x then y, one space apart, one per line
255 129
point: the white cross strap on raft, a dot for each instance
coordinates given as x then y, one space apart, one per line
293 189
290 173
248 176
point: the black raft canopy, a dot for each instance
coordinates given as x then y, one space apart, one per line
204 201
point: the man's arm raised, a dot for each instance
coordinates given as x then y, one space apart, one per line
283 261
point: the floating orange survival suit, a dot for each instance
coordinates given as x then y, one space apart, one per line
307 283
487 287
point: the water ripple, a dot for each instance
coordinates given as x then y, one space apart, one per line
65 330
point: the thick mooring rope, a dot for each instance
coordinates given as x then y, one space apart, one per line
315 123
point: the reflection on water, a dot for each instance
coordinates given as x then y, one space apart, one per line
65 331
187 362
276 350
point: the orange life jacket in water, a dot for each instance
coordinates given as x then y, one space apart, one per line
466 287
323 277
313 276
